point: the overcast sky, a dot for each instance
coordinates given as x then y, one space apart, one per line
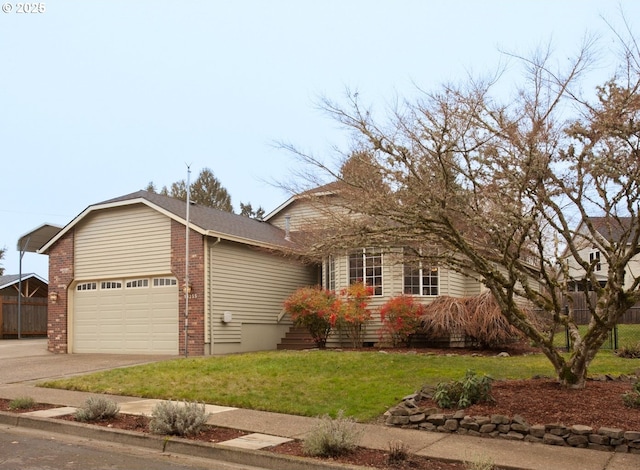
98 98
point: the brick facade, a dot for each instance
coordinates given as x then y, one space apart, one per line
60 277
196 323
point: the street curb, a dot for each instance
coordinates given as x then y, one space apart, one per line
171 444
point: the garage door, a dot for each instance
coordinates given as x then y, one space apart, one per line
133 316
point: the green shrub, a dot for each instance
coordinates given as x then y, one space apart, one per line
311 307
21 403
97 408
332 437
463 393
632 399
401 317
177 419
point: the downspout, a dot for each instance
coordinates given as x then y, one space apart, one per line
207 286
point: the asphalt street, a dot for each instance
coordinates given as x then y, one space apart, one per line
25 449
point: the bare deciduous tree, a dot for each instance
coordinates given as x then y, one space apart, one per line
510 193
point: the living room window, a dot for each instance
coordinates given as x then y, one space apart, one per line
421 280
366 266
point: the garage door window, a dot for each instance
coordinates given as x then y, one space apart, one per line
137 283
106 285
164 282
87 286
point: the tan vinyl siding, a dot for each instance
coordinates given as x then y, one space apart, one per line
127 241
304 212
251 284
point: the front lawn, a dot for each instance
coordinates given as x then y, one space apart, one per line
314 383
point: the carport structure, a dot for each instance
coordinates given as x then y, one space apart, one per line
31 242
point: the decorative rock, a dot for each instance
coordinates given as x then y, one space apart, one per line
469 424
578 440
581 430
613 433
520 420
632 436
537 430
622 449
598 439
530 438
487 428
504 428
399 411
553 440
504 354
397 420
428 426
417 418
500 419
460 414
522 428
482 420
451 425
436 419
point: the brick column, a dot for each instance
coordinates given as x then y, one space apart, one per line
196 279
60 277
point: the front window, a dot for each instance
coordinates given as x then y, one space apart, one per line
366 266
421 280
330 273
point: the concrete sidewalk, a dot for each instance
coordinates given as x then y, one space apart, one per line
272 428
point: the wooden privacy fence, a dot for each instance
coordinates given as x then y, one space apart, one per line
33 317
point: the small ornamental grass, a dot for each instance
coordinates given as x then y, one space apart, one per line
96 409
632 399
463 393
175 419
21 403
332 437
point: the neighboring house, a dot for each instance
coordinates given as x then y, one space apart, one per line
609 230
382 268
117 280
26 315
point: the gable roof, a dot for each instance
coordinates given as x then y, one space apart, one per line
9 280
324 190
205 220
613 229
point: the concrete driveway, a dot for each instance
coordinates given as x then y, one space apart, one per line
27 360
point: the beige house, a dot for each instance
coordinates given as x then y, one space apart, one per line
382 268
117 280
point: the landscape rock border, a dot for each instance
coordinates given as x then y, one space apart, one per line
408 414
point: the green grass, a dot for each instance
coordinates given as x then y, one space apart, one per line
313 383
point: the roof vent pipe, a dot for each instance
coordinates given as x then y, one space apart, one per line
287 227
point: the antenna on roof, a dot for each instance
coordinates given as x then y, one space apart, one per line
186 267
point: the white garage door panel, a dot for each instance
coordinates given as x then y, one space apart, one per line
142 320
